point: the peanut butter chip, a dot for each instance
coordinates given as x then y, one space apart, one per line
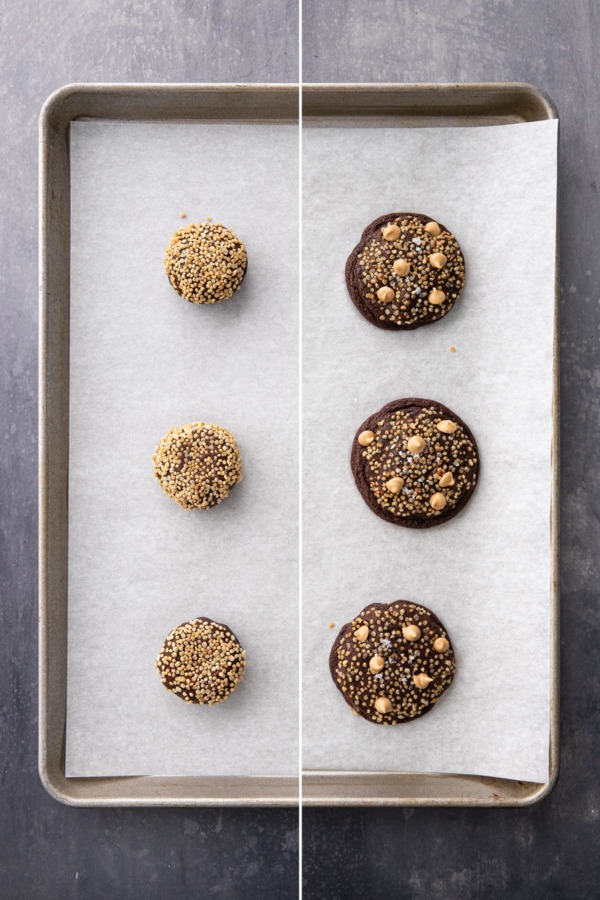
383 705
365 438
385 294
395 485
422 680
433 229
362 633
411 632
438 260
446 480
415 444
446 426
401 267
436 297
376 664
441 645
437 501
390 232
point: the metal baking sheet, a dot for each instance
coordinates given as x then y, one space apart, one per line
368 105
223 106
387 107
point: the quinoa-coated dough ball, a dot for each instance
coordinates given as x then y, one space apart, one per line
205 262
201 662
198 464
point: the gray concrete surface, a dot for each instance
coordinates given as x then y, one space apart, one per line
549 850
49 851
46 850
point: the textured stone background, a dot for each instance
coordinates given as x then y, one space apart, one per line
47 850
549 850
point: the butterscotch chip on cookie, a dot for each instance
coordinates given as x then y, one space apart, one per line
407 270
201 662
420 464
392 662
205 262
198 464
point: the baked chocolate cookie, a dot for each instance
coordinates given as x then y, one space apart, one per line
407 270
415 463
198 464
205 262
392 662
201 661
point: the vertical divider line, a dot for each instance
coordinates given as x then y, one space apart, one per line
300 461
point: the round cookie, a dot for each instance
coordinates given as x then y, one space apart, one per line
198 464
201 661
392 662
415 463
205 262
407 270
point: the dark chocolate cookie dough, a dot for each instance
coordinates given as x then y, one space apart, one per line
415 463
201 661
407 270
392 662
198 464
205 262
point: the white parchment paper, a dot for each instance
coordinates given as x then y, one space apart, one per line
487 573
142 360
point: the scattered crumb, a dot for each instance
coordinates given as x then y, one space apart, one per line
209 218
183 215
452 349
332 624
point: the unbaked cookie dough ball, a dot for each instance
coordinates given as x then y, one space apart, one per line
201 662
392 662
205 262
198 464
407 270
415 463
